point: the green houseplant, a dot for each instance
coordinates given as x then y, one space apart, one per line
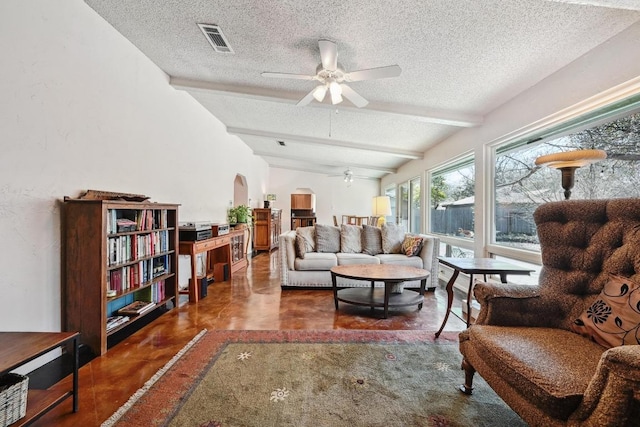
239 215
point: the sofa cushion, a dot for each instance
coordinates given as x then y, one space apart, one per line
316 261
614 317
411 245
552 366
392 238
371 240
400 259
305 240
351 259
350 239
327 238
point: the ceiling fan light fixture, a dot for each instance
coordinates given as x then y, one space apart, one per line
319 92
336 92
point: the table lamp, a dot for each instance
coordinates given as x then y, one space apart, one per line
568 162
381 208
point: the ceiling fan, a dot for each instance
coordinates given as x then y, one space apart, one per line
347 176
332 77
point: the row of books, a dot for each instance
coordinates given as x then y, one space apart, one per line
143 219
131 247
115 321
132 276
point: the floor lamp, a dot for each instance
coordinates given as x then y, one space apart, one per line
568 162
381 208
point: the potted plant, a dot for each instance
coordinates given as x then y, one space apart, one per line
239 215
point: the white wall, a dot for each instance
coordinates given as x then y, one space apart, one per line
333 196
82 109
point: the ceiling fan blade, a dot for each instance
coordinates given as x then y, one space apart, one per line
328 54
287 76
306 100
353 96
373 73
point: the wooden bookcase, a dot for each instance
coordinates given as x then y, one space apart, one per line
138 260
267 228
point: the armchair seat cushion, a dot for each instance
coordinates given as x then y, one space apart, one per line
551 367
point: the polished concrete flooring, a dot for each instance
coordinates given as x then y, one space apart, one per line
252 300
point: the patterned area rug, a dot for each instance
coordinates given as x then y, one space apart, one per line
317 378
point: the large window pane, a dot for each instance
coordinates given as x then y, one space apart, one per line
520 186
415 222
403 205
391 192
452 200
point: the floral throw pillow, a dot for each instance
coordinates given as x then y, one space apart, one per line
614 317
411 245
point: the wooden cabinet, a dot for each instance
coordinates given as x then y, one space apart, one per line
238 250
303 210
117 252
303 202
267 228
302 222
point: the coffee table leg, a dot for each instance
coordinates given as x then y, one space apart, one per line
449 289
387 291
423 285
335 289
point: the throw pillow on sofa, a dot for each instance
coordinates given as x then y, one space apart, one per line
411 245
350 239
614 317
327 238
392 238
371 240
305 240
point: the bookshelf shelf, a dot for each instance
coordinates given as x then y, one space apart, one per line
130 248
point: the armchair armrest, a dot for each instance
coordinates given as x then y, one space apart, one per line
614 390
507 304
429 255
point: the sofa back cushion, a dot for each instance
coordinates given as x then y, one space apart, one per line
392 238
371 240
327 238
350 239
305 240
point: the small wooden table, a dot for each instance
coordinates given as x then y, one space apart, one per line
391 275
473 266
18 348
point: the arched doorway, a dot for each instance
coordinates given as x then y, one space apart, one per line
240 191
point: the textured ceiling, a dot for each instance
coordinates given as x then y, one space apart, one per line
459 60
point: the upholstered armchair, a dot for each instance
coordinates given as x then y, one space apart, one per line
553 352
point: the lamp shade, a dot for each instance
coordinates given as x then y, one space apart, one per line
381 206
571 159
568 162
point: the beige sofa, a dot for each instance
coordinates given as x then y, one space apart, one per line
314 269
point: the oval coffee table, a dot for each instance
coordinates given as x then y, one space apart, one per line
391 275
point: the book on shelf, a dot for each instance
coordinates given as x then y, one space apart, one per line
136 307
115 321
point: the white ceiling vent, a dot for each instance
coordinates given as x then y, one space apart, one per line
216 39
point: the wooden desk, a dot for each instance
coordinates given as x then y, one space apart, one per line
218 251
473 266
18 348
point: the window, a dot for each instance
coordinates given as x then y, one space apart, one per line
415 212
403 207
452 201
520 186
391 192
